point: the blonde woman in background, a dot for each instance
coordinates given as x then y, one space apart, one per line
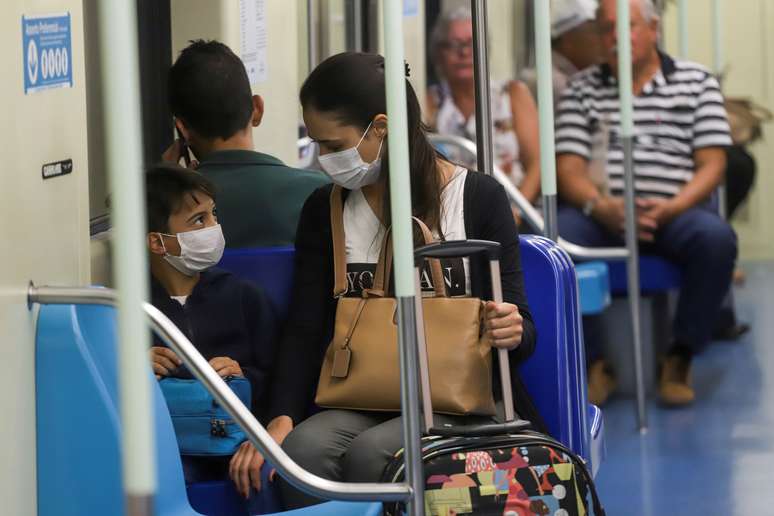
452 108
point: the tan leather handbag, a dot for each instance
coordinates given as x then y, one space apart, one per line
360 370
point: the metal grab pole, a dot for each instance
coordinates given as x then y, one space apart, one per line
718 64
717 37
627 137
484 142
682 28
403 246
121 87
313 41
546 111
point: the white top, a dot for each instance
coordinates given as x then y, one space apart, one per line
364 235
180 299
449 120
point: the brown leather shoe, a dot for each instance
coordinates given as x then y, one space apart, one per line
674 386
601 382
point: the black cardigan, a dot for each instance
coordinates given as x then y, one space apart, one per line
309 328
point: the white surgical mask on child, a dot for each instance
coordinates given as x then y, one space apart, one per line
347 169
200 249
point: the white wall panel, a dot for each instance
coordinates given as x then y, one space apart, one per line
43 224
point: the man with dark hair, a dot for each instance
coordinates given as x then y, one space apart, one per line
230 321
215 112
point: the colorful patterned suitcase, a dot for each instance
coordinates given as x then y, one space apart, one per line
494 469
519 474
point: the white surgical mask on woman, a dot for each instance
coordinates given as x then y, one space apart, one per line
347 168
200 249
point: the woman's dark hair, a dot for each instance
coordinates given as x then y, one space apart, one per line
351 86
166 185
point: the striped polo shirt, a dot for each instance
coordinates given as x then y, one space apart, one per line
679 111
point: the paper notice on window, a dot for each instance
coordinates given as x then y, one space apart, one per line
254 39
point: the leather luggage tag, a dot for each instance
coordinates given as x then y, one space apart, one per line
341 363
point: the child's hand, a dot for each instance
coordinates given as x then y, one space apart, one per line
226 366
164 361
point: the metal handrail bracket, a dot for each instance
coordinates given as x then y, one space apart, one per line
176 339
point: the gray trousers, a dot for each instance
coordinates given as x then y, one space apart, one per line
348 446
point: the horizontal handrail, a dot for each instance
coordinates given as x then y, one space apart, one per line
530 214
175 339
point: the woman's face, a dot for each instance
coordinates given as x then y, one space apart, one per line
332 135
456 52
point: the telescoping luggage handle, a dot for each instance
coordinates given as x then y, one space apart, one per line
460 249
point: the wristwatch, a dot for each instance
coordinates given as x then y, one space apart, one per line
589 205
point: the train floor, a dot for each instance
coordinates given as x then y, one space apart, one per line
716 457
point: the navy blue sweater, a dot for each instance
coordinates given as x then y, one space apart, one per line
227 316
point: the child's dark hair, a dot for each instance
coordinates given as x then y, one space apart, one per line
351 86
209 90
166 185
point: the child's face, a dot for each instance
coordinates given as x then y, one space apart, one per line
196 211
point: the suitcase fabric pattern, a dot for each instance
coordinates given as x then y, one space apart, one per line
507 475
518 481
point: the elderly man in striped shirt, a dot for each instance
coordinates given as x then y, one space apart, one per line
680 134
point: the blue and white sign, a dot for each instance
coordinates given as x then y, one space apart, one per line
47 48
410 8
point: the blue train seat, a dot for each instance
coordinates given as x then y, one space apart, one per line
79 427
78 422
593 287
657 275
275 274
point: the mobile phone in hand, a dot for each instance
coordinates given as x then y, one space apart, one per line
184 150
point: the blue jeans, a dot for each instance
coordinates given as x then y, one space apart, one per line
701 243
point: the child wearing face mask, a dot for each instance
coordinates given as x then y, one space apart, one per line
230 321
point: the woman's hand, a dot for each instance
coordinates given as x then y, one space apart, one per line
504 325
226 366
245 466
164 361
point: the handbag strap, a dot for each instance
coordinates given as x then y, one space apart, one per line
353 324
339 243
383 267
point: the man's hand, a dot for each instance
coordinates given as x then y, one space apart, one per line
164 361
245 466
610 212
651 215
174 154
661 211
226 366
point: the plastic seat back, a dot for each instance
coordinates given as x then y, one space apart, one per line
78 419
656 275
269 267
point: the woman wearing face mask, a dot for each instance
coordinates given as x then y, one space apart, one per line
229 321
344 110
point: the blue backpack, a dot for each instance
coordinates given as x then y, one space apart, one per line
202 427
